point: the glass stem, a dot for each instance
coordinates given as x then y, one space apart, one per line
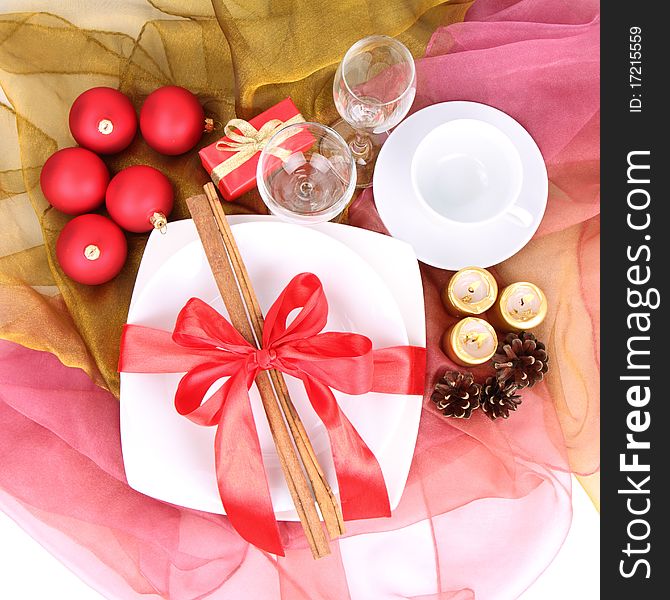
361 147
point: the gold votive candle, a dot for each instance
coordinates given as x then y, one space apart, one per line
520 306
470 291
470 341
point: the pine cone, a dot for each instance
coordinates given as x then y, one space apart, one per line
457 394
498 399
521 359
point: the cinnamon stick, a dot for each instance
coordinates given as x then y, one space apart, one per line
219 261
328 504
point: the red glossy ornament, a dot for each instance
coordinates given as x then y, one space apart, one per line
91 249
74 180
172 120
140 198
103 119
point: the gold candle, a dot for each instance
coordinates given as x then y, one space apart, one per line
470 342
470 291
520 306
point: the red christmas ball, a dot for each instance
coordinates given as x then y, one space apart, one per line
103 119
172 120
91 249
74 180
140 198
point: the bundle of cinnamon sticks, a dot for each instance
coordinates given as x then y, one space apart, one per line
305 478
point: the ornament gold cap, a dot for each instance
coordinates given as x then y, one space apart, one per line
470 341
92 252
105 126
462 298
159 221
212 125
521 306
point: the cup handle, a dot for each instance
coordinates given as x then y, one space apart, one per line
519 215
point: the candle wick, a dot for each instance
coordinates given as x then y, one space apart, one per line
471 289
477 338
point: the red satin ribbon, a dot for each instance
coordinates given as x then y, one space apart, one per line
208 347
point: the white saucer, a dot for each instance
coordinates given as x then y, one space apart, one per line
445 242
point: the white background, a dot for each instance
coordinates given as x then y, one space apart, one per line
29 572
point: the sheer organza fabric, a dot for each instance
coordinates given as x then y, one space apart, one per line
494 498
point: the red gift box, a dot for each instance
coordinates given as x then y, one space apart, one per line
233 169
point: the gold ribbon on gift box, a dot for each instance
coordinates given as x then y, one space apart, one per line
245 140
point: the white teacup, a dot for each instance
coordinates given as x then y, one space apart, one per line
468 171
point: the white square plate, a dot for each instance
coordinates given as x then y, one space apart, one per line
373 286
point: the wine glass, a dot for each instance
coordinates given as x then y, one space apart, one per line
374 88
306 173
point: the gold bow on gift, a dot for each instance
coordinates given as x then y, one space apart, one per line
245 140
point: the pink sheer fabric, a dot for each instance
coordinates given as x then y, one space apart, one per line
494 497
539 61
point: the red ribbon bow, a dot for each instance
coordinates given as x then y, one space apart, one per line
208 347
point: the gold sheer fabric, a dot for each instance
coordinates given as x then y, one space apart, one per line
238 57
